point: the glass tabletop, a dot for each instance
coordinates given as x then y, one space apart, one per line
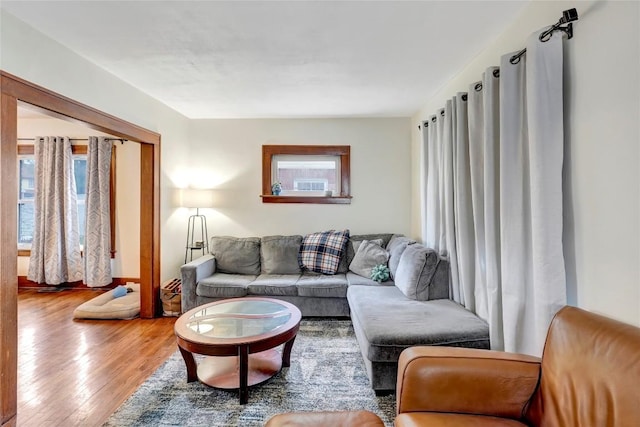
238 319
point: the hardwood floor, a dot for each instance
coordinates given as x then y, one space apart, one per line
77 372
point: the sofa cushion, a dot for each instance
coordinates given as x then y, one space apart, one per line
369 255
416 272
321 252
396 247
356 244
387 322
236 255
224 285
274 284
350 252
356 280
279 254
323 286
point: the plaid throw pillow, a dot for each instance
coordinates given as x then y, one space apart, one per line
321 252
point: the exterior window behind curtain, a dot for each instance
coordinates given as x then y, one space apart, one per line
26 191
80 172
26 168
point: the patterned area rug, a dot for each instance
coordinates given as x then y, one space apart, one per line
326 373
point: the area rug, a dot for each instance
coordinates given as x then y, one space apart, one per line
326 373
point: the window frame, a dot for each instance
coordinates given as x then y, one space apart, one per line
29 150
341 151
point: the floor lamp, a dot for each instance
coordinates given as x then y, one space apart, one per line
197 233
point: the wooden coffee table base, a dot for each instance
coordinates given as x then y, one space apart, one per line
224 372
238 372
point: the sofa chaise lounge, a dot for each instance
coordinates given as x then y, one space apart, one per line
412 308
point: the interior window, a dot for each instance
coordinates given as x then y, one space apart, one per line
306 174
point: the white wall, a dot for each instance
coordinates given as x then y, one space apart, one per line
226 155
602 158
126 262
34 57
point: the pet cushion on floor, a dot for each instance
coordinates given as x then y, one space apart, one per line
106 306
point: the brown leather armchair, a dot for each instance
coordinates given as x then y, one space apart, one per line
589 375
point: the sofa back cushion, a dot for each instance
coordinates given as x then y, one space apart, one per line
368 255
396 247
279 254
591 365
350 250
321 252
236 255
356 245
422 275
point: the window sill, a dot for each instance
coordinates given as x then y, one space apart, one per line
336 200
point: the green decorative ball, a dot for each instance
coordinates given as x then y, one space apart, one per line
380 273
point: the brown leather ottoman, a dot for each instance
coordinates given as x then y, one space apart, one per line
326 419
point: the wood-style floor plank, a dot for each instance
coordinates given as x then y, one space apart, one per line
77 372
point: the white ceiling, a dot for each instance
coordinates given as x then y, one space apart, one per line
242 59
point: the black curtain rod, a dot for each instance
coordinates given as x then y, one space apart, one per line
568 16
122 140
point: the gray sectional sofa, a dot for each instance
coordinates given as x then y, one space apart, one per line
412 308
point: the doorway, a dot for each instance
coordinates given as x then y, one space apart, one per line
14 90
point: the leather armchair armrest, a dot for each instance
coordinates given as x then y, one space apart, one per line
463 380
191 273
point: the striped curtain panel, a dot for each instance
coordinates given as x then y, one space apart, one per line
97 245
55 249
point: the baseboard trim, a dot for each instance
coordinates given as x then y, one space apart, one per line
24 283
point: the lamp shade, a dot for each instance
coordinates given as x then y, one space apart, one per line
196 198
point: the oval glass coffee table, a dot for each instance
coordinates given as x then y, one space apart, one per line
241 334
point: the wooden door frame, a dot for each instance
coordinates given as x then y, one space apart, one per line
12 90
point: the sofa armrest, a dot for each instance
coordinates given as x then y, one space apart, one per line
192 273
464 380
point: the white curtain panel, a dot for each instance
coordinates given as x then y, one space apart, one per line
432 198
448 244
493 170
492 204
463 206
476 177
55 249
97 246
424 161
441 245
531 155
